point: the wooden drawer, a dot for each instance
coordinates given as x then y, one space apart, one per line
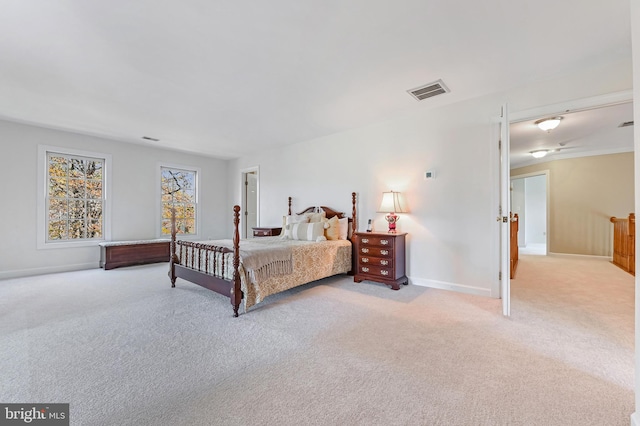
266 232
377 271
375 251
376 261
376 240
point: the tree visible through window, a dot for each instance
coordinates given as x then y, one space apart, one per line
179 192
75 197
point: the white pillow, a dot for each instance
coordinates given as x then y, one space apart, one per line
296 218
316 217
343 224
305 231
291 219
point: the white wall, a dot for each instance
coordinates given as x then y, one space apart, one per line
452 240
536 209
518 206
584 193
134 202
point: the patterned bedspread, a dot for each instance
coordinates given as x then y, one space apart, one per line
311 261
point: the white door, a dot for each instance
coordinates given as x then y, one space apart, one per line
503 214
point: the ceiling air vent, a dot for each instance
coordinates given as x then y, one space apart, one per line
429 90
626 124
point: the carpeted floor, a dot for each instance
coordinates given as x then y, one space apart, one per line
123 348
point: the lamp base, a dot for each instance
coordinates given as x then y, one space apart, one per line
392 218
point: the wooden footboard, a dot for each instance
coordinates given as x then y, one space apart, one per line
205 264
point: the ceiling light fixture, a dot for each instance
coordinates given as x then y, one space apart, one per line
539 153
548 124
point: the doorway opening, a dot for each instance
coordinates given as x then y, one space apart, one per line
594 142
520 161
529 200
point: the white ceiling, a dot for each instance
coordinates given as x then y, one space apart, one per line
590 132
225 78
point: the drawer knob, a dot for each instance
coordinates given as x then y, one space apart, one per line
365 250
384 262
384 252
384 242
365 269
384 272
365 259
365 240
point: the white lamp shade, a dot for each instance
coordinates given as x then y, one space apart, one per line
391 203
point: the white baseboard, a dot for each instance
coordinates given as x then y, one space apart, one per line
460 288
586 256
635 419
19 273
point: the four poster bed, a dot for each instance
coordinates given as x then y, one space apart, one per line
315 244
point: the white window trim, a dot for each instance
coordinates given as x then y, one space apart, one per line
158 184
42 242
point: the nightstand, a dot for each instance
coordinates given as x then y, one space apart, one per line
266 232
380 257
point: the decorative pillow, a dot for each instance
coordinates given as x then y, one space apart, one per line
332 232
343 226
304 231
316 217
290 219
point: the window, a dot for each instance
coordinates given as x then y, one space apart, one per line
73 206
74 197
179 192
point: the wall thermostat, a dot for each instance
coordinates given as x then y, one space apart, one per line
429 174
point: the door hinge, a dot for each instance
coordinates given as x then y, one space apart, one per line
500 276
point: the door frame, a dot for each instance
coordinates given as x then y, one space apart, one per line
504 209
565 107
575 105
243 188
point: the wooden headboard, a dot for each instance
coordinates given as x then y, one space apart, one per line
331 212
328 210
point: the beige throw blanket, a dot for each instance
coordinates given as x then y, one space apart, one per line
262 260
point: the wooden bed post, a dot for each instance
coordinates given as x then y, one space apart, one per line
354 237
354 223
289 207
173 257
236 292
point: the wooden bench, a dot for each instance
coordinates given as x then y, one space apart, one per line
114 254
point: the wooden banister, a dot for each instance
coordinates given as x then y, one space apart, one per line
624 237
514 243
